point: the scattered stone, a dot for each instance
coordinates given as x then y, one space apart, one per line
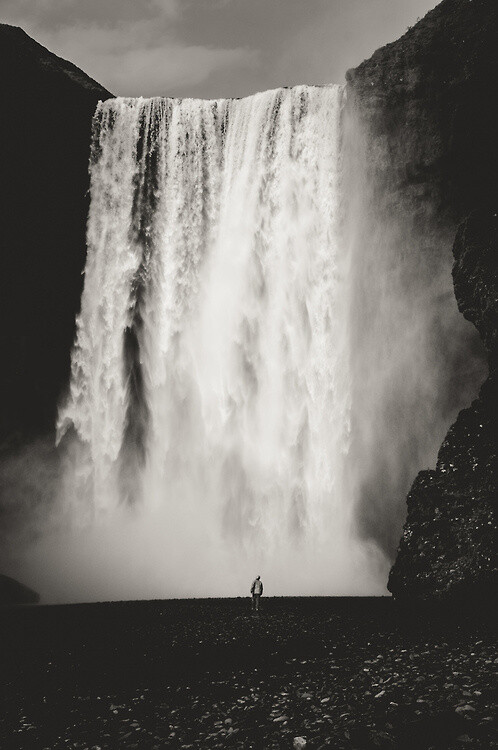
464 709
299 743
228 704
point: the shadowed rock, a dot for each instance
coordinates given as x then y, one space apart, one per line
450 538
13 592
44 150
426 106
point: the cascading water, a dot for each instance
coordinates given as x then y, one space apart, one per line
210 393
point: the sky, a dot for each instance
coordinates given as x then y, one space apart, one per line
213 48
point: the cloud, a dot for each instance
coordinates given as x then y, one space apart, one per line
53 14
343 34
212 48
133 49
167 69
133 61
168 7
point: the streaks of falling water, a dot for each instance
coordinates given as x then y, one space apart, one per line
210 369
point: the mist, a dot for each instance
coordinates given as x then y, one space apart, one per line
416 362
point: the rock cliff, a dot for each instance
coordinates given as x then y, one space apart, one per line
429 112
48 104
428 100
449 542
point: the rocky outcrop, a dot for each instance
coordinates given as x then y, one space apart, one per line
475 276
428 110
449 542
45 128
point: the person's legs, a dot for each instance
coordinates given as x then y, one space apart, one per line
256 596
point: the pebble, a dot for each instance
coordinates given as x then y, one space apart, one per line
334 708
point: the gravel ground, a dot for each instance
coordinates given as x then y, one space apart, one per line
340 673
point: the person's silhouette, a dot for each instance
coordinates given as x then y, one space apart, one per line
256 591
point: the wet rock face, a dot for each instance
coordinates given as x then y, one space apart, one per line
426 99
429 121
44 148
447 546
450 537
475 275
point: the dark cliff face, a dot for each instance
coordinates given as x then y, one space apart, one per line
429 116
429 100
450 537
48 105
475 276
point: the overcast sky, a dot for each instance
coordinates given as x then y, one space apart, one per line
213 48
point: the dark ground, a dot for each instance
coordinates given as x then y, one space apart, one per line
342 673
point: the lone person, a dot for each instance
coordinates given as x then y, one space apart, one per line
256 591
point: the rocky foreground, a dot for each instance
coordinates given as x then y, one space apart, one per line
341 673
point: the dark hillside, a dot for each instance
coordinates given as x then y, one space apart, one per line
48 104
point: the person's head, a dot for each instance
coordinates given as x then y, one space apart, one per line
258 577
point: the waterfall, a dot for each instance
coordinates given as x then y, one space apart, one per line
209 403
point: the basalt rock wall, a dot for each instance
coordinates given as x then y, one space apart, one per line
427 108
